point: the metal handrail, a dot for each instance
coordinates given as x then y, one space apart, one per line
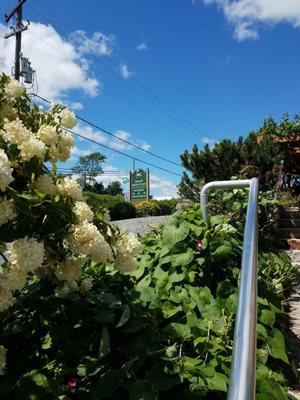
242 384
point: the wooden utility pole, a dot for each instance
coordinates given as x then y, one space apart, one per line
17 32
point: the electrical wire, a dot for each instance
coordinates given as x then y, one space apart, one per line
121 152
113 135
86 39
118 92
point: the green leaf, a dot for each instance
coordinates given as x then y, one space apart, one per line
182 259
261 331
46 342
89 366
217 382
108 384
217 220
267 317
223 251
104 348
277 346
124 318
170 309
142 390
177 330
172 234
33 386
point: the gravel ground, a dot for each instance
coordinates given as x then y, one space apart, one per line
140 225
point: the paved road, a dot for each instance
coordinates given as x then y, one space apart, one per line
140 225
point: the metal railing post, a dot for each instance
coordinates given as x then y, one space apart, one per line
242 384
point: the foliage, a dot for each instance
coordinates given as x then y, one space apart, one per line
165 331
167 206
147 209
244 158
234 204
122 210
88 167
114 188
96 200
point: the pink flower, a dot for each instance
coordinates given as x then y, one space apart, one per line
198 244
72 383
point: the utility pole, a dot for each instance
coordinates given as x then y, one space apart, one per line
17 32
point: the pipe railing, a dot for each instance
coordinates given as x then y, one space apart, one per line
242 385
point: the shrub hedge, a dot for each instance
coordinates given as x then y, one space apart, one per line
122 210
147 209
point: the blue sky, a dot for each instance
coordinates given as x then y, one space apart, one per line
221 65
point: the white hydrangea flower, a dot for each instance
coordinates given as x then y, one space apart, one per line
8 210
87 240
83 211
68 118
69 187
2 359
47 134
66 288
7 111
5 171
13 278
15 132
44 184
127 247
32 147
25 253
125 263
14 89
86 285
69 270
6 299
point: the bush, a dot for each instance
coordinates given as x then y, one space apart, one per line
167 207
147 209
96 200
122 210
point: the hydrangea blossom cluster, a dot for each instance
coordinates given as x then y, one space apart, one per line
8 210
85 239
5 171
127 248
44 184
14 89
23 256
69 187
83 211
67 118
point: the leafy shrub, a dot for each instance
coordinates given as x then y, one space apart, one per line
122 210
147 209
165 331
96 200
167 207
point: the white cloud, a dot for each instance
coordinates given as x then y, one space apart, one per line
97 44
125 71
210 141
75 105
89 132
247 15
59 65
166 188
142 47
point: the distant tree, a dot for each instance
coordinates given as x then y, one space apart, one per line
88 167
114 188
244 158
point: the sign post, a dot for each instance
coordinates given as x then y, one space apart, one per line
139 185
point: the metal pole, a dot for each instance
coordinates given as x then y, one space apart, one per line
243 366
133 164
19 15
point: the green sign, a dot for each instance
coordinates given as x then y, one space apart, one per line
139 185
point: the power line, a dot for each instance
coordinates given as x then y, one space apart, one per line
113 135
119 93
86 39
121 152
